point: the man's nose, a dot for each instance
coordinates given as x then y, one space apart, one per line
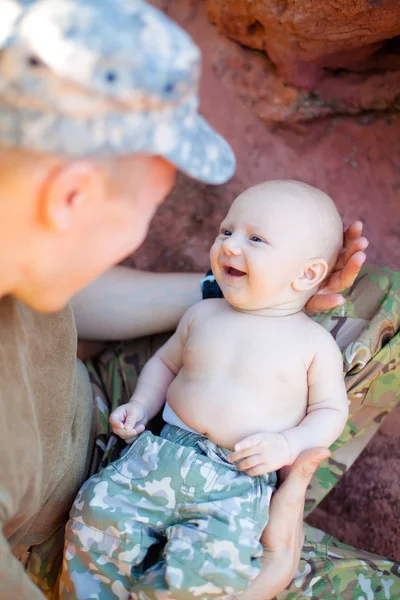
231 246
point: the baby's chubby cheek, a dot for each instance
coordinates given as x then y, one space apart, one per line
214 255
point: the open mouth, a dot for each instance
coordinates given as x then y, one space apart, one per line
234 272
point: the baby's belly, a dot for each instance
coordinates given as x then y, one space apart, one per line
227 413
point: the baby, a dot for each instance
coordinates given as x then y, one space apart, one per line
250 383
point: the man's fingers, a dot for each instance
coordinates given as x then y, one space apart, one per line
343 279
358 245
321 302
353 232
352 268
295 485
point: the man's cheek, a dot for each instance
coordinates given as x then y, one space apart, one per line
138 232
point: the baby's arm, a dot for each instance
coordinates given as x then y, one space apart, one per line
327 413
328 406
128 420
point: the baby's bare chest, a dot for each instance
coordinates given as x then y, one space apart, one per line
248 349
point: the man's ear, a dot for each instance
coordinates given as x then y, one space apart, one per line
315 270
68 189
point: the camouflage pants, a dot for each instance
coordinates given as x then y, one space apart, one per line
367 329
178 488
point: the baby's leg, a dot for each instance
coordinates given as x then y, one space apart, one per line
214 551
116 517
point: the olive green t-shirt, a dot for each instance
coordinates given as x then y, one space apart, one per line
46 421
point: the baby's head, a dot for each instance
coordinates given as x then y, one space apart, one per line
278 242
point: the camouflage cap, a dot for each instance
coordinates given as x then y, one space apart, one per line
100 77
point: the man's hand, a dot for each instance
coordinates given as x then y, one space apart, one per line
283 537
344 273
129 420
261 453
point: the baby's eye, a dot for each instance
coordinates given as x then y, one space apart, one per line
255 238
226 232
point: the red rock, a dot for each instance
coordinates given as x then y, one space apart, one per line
304 37
253 78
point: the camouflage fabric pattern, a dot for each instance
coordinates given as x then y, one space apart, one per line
178 487
367 329
330 570
114 375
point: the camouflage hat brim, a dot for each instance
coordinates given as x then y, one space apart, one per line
181 136
198 150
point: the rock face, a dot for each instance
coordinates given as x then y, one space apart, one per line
253 78
304 38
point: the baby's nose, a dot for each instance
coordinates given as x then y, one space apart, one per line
231 246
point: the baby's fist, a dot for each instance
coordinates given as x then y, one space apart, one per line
129 420
261 453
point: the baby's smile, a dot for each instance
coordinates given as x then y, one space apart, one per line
232 272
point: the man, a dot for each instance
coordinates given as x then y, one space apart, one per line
97 109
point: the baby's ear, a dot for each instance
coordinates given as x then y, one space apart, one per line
314 272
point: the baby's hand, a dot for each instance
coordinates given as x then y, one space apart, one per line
128 420
261 453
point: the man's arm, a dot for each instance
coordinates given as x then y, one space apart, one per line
125 303
14 582
328 406
283 537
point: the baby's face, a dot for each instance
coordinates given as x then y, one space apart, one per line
260 250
